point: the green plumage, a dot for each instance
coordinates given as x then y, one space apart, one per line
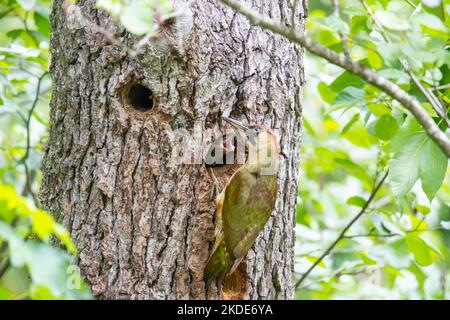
244 207
245 204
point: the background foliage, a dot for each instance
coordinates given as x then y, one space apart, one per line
30 267
354 134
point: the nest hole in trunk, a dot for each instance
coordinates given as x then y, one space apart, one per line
137 96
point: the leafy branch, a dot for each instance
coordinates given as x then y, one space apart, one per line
352 66
342 234
436 105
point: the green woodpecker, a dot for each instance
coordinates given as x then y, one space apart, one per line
246 203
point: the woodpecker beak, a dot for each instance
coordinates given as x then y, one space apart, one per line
236 124
247 135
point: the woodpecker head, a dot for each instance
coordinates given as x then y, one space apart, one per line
262 147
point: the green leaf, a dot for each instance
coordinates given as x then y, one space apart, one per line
5 293
358 23
420 250
431 25
420 275
393 271
423 209
42 23
326 37
416 156
446 9
350 123
391 52
17 246
366 259
386 127
349 96
344 80
392 20
356 201
27 4
374 59
41 292
356 170
379 109
403 172
52 273
326 93
62 234
113 7
433 165
314 259
137 18
43 224
359 136
445 225
14 34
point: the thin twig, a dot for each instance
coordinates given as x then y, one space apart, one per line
345 49
27 29
371 77
342 234
30 113
23 161
27 188
442 87
390 235
410 3
4 267
349 273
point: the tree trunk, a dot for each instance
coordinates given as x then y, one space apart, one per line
144 226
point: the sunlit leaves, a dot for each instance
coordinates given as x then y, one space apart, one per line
359 136
375 134
415 156
23 59
42 23
392 20
424 210
423 253
27 4
374 59
386 127
328 95
356 201
46 266
136 16
42 224
348 97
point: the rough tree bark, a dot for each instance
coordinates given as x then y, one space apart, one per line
143 227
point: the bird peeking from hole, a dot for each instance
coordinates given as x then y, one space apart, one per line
245 204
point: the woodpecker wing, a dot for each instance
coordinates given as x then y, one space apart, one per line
248 203
218 264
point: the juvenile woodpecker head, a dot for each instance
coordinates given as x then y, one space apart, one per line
262 147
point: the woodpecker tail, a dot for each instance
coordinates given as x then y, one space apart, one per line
217 267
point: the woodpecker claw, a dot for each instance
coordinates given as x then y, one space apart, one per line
217 186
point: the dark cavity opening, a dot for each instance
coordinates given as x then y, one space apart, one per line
140 97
